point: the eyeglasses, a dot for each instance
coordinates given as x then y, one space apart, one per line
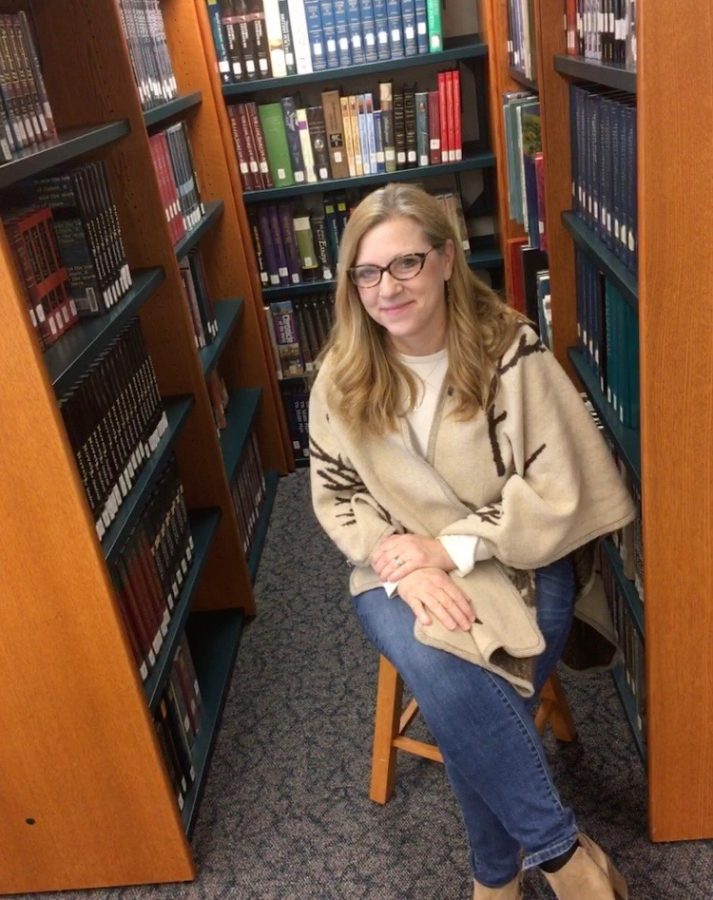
402 268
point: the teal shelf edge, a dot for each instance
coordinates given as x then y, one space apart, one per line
519 76
240 414
67 146
227 314
618 77
455 49
628 589
471 160
73 353
203 524
157 115
598 251
263 522
177 409
490 258
213 211
626 440
628 703
214 639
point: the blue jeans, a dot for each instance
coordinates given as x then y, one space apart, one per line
493 755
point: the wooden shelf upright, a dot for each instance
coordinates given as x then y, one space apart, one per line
87 798
675 311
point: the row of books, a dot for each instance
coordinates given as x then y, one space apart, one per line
257 39
197 298
522 45
603 124
525 164
298 330
143 27
248 491
114 418
25 113
177 179
178 721
284 143
295 397
219 399
608 334
150 568
527 263
65 235
602 30
631 646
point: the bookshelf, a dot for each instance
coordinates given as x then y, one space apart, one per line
463 47
670 455
89 801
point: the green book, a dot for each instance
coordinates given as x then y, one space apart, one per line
435 28
278 150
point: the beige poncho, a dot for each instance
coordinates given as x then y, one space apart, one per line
532 477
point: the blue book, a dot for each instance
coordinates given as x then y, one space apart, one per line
370 132
313 16
363 134
355 35
408 24
344 48
381 26
329 31
396 34
421 26
368 30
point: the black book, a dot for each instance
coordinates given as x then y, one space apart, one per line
318 138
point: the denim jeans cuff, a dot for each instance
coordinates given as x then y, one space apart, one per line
553 850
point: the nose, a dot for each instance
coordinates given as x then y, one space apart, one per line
389 286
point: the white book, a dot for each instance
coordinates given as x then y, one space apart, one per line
306 145
300 36
273 30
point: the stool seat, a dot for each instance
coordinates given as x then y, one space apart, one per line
391 723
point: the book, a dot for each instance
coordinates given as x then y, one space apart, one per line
306 146
305 245
318 137
275 135
335 134
287 42
355 36
313 18
275 44
423 151
300 36
290 105
381 29
435 33
341 25
408 24
329 32
368 30
387 124
395 25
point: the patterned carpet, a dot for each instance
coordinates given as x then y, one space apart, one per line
286 813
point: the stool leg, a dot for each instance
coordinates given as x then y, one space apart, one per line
556 710
389 693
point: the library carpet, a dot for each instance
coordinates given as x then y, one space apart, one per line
286 813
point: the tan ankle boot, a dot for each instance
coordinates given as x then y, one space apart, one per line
588 875
510 891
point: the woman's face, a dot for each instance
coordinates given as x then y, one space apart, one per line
413 312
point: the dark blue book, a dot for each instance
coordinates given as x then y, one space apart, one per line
395 24
408 24
313 15
421 26
283 270
329 31
287 228
368 31
341 24
355 36
381 26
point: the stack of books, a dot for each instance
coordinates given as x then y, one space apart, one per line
177 179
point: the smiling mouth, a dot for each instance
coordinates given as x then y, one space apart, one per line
387 310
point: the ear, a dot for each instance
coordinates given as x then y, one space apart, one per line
448 255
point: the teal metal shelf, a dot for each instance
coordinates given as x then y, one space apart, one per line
603 257
73 353
455 49
628 702
158 115
227 314
628 588
626 440
70 144
263 522
597 72
471 160
203 524
177 409
240 414
213 211
214 638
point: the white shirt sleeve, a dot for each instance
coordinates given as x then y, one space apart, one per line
390 587
465 550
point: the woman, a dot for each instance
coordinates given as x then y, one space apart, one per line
455 466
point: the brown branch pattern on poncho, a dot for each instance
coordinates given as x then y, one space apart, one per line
342 479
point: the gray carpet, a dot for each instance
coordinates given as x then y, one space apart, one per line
286 812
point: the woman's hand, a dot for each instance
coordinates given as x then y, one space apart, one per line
432 595
397 555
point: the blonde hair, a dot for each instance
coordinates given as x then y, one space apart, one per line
367 380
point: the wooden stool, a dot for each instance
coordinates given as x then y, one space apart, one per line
391 722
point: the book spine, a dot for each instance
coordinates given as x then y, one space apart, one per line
221 50
329 31
335 134
256 14
318 137
322 245
289 111
313 17
344 52
288 234
231 40
379 143
387 125
268 246
287 42
368 31
423 155
381 29
306 145
356 138
275 136
399 128
421 26
395 24
363 135
434 129
258 139
348 139
273 31
456 104
370 131
410 125
435 34
355 35
408 18
300 37
283 270
305 245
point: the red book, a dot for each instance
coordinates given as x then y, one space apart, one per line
513 247
570 21
434 128
259 142
443 116
456 104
